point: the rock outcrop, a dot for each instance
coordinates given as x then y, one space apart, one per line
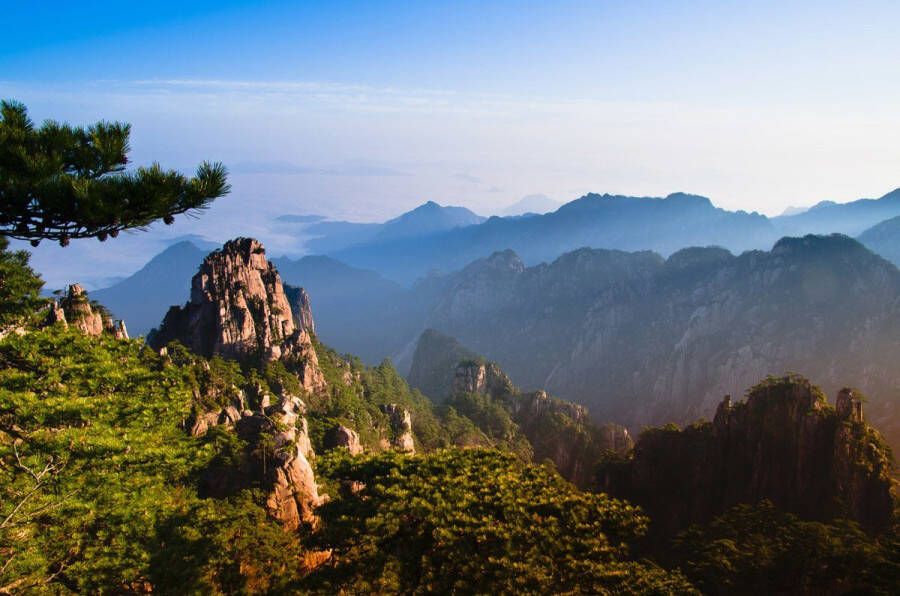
301 307
784 444
434 363
478 376
76 310
401 427
342 437
277 455
550 428
643 340
238 309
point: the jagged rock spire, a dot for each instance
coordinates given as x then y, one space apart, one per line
238 309
75 309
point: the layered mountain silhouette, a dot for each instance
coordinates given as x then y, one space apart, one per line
845 218
144 297
884 239
531 204
644 340
428 218
602 221
534 424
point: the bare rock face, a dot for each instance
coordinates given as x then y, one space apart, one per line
562 432
481 377
56 315
401 427
294 496
278 451
784 444
79 313
615 437
556 430
301 307
75 309
119 330
238 309
341 436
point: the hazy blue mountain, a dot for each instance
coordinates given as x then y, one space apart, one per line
844 218
884 239
428 218
353 306
644 340
328 236
536 204
600 221
641 339
142 299
290 218
791 210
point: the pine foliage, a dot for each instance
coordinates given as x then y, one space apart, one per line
60 182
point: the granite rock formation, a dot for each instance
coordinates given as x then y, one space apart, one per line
479 376
238 309
342 437
554 430
301 306
785 443
76 310
277 456
401 427
644 340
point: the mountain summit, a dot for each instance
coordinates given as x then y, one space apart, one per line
239 309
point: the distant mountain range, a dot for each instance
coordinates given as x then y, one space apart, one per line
434 239
604 221
643 340
534 204
884 239
428 218
144 297
844 218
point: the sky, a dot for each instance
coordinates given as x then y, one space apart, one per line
363 110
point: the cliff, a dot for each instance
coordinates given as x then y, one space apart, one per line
434 364
76 310
534 424
641 340
273 454
239 309
785 443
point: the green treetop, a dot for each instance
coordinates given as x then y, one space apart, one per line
60 182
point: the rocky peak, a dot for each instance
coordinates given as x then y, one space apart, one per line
278 452
75 309
776 445
301 307
401 427
341 436
476 376
849 406
540 403
239 309
504 262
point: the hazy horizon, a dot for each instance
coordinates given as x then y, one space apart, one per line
361 112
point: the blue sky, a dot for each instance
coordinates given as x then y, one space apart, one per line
362 110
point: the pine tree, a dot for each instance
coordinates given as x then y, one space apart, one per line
61 182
